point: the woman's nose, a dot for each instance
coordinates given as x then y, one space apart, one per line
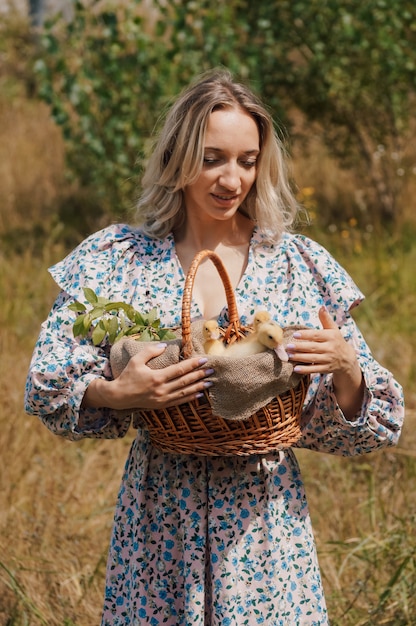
229 177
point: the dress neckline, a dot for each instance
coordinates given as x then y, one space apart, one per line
248 271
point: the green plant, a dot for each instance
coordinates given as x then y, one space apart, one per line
104 77
114 320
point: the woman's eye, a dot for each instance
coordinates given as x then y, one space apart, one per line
210 161
246 163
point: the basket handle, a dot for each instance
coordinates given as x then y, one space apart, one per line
234 320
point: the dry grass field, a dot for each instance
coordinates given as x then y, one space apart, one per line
57 498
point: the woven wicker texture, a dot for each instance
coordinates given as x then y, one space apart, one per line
192 428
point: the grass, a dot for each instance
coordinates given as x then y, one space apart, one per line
363 512
57 498
31 163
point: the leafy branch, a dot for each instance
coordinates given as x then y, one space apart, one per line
114 320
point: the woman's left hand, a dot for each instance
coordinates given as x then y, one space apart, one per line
326 351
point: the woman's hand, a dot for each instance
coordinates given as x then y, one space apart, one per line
139 386
326 351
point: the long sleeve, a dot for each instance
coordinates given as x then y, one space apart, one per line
110 262
60 371
379 423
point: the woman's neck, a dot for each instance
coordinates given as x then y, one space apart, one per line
195 236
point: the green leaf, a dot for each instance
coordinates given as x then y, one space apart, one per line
115 306
152 315
90 295
130 312
76 306
136 329
122 333
101 301
146 335
98 334
166 334
87 321
139 319
78 327
112 329
96 313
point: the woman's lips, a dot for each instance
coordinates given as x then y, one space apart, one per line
224 199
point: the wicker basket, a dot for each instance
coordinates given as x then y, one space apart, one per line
192 428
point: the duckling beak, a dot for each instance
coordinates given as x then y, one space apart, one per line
281 353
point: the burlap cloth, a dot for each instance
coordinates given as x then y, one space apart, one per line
241 385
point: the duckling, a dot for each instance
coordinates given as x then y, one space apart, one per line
211 335
269 336
260 317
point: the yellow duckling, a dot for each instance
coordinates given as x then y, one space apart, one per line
269 336
212 338
260 317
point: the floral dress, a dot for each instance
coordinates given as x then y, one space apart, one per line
220 541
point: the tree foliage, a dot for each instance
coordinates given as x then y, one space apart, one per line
348 66
100 74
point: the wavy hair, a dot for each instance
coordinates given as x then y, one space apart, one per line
177 160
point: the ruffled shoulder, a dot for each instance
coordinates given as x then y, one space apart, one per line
96 260
338 290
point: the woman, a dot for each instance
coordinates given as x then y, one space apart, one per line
196 540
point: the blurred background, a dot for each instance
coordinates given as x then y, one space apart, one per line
82 88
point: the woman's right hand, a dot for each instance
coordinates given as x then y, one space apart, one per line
139 386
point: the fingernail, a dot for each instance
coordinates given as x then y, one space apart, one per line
203 361
297 335
290 347
162 345
297 368
209 371
199 395
208 383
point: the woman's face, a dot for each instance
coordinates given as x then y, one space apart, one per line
231 150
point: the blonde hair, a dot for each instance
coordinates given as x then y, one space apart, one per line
177 160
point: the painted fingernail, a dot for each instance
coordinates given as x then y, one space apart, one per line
297 368
208 383
203 361
297 335
199 395
162 345
209 371
290 347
